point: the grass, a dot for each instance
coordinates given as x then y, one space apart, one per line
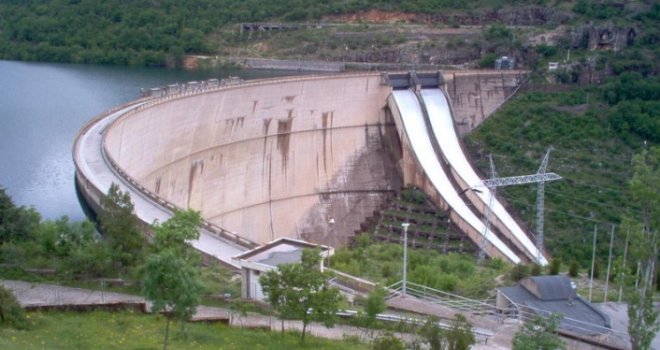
126 330
382 263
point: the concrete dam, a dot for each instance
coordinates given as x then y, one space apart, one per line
283 157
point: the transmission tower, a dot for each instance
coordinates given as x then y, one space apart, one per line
541 177
540 199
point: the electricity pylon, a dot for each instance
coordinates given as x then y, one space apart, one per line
541 177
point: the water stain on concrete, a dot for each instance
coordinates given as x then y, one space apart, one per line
229 125
266 126
289 99
157 187
195 168
327 119
254 106
284 137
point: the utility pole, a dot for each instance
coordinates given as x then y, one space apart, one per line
405 256
593 260
623 267
609 264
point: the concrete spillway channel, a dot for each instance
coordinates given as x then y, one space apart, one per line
442 124
303 157
413 125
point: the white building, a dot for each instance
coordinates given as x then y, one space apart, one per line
267 257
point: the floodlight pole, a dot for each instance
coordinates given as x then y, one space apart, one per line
405 256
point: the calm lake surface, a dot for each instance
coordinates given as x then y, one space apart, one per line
43 105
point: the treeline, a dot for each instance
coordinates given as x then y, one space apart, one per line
148 33
158 33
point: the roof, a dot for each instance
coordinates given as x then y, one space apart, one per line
283 250
580 316
552 287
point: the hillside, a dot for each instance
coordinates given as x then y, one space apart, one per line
162 33
593 144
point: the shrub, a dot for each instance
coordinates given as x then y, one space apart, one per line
555 266
573 269
11 312
596 270
519 272
387 341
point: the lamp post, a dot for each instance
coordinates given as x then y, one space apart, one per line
405 256
331 232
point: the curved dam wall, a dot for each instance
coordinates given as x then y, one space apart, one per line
270 158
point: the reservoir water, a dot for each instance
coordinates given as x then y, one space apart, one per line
43 105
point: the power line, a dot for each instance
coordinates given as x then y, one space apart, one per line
563 212
599 204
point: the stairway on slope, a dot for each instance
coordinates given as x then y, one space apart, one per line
430 228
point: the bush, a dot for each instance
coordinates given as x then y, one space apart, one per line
546 50
519 272
596 271
413 195
574 269
535 270
387 341
11 312
488 60
555 266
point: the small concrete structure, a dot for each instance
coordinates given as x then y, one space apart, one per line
268 257
505 62
544 295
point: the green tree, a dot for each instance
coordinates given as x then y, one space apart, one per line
645 186
459 335
432 334
120 227
300 291
16 223
374 304
172 282
175 233
538 334
173 286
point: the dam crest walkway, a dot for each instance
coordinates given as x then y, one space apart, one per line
95 168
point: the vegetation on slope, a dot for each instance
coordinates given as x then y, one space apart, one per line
382 263
158 33
72 253
594 132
